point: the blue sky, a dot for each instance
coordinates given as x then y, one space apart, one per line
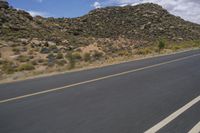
56 8
187 9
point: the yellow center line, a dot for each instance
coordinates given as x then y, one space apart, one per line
94 80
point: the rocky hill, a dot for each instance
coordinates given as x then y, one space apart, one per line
141 22
28 43
144 21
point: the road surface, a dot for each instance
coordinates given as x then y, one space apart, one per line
160 94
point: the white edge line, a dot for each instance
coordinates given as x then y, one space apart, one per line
171 117
94 80
196 128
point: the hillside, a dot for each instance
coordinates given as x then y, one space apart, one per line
39 44
144 21
141 22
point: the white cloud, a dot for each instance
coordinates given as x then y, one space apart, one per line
38 13
187 9
96 5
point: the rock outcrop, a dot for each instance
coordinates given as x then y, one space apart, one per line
4 4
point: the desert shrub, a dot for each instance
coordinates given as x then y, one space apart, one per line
54 48
23 58
97 54
26 67
16 50
61 62
185 44
144 51
123 53
76 56
59 56
31 57
87 57
51 60
197 43
1 62
51 56
38 22
71 59
40 60
8 67
45 63
31 52
176 48
161 45
34 62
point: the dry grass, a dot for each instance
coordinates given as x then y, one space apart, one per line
149 51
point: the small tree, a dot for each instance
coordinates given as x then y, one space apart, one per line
161 45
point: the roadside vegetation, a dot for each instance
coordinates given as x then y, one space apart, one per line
76 59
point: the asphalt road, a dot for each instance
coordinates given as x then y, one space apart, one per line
131 97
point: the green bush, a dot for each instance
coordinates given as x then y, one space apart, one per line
161 45
23 58
8 67
26 67
76 56
87 57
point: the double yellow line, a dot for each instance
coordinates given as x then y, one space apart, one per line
94 80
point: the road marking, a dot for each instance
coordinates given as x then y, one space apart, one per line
94 80
171 117
196 128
